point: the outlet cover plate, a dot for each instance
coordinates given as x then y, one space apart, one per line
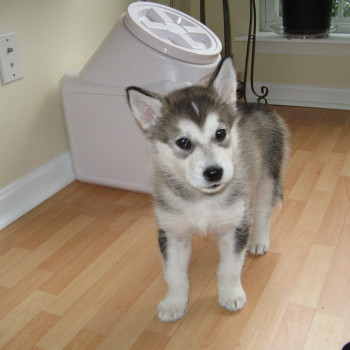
10 63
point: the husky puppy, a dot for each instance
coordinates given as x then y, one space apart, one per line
217 168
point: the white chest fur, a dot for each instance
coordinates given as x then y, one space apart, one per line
202 217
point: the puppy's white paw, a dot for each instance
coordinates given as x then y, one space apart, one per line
171 309
259 244
232 299
259 248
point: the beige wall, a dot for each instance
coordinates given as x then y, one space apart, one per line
55 37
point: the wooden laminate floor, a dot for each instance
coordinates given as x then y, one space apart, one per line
83 270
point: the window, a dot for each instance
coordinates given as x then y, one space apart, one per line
271 14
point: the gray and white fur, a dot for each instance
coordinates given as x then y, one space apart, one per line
217 168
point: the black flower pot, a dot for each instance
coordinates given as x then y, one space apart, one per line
306 17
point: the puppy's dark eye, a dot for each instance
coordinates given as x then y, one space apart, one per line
220 134
184 143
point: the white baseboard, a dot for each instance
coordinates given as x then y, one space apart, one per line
26 193
305 96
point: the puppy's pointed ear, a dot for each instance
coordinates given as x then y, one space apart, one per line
145 106
224 80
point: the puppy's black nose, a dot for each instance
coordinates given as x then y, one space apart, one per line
213 173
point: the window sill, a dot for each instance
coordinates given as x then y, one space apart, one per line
270 43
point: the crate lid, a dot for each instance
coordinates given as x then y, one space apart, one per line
172 32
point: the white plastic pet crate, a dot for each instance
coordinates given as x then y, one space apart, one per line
152 46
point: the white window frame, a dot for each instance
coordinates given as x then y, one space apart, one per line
270 16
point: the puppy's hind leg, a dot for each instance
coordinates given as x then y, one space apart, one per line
260 238
176 254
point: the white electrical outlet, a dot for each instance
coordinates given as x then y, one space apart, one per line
10 63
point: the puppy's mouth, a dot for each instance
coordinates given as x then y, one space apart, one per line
213 188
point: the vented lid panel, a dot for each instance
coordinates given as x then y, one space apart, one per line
172 32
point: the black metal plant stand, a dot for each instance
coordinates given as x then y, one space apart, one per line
250 51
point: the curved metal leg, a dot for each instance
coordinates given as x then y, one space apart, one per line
251 52
227 27
202 11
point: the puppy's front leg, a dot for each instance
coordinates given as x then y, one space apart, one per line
176 254
232 247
